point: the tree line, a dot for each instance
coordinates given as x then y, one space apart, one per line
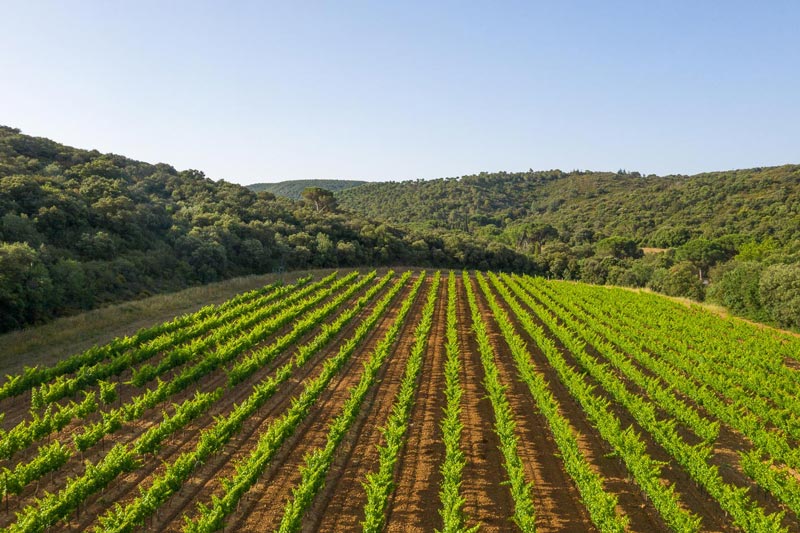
79 229
728 237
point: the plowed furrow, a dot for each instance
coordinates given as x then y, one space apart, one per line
206 481
340 505
487 499
557 500
415 504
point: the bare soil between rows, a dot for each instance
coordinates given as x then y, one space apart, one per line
414 504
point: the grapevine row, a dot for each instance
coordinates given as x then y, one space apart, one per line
33 376
25 434
728 380
737 413
694 459
625 442
211 440
112 420
659 395
773 480
524 512
600 504
453 465
379 485
85 376
741 411
247 471
744 360
46 511
318 462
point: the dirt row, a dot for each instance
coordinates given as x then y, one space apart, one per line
556 499
125 488
205 479
339 506
726 447
725 457
414 504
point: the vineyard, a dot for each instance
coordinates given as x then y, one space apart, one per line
419 401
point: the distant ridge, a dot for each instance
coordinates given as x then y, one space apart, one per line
293 188
80 229
656 211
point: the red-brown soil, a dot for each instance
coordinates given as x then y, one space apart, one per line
414 504
340 505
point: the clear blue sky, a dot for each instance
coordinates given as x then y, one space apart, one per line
263 91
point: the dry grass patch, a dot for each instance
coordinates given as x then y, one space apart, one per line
46 344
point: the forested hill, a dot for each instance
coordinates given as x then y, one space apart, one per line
730 237
294 188
655 211
79 228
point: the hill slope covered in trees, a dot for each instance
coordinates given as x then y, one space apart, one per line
79 228
732 236
294 188
656 211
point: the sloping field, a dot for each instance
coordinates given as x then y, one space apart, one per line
413 402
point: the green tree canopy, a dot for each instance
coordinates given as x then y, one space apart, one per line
319 198
779 290
619 247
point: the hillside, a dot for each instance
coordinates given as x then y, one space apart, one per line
732 236
656 211
79 229
293 188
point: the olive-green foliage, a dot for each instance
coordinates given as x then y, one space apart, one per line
779 290
79 228
320 199
87 228
25 287
654 211
619 247
679 280
704 253
736 286
592 226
